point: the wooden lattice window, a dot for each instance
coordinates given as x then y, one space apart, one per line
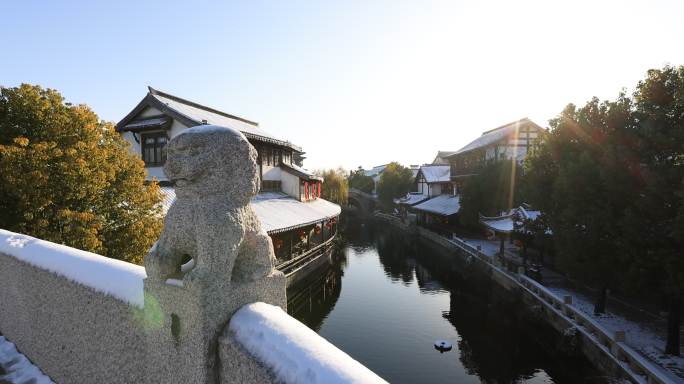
270 185
153 146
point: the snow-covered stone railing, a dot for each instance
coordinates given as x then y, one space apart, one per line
636 366
75 314
292 351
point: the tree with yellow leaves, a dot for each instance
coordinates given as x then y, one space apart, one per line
68 177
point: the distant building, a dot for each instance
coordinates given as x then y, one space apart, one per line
442 157
432 180
288 204
510 141
375 173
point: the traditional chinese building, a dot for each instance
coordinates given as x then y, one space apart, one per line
511 141
300 223
433 200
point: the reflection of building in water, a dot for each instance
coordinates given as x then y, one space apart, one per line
311 301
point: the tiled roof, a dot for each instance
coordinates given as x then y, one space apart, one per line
191 113
445 205
494 135
277 211
436 173
412 198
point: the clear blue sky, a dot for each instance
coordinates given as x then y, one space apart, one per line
353 82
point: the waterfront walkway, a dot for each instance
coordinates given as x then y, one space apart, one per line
645 332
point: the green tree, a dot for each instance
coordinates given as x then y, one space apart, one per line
334 185
67 177
359 180
656 225
495 189
395 181
580 177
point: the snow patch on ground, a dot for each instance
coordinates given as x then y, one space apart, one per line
114 277
295 353
642 338
17 368
489 247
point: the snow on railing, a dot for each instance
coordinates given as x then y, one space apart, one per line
613 342
117 278
293 352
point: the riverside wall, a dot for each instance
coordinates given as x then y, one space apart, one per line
606 350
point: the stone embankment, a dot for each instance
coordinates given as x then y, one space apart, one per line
607 350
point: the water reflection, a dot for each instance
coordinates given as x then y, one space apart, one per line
385 298
313 299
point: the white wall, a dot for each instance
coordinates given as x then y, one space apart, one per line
290 184
271 173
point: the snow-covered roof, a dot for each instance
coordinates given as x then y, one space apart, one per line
152 122
277 211
191 113
300 172
375 170
412 198
494 135
445 205
436 173
529 214
504 224
441 157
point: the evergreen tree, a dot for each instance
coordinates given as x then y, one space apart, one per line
67 177
581 178
656 221
395 181
495 189
359 180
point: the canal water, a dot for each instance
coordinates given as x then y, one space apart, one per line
385 299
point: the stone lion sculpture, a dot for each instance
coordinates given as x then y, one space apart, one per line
215 175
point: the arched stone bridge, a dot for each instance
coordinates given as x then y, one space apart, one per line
363 202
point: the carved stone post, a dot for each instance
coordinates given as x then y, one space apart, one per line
187 306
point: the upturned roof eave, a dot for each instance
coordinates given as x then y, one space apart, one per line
150 101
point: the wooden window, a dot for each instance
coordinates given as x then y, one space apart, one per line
270 185
153 146
276 157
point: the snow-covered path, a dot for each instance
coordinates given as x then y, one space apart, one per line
645 337
16 368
